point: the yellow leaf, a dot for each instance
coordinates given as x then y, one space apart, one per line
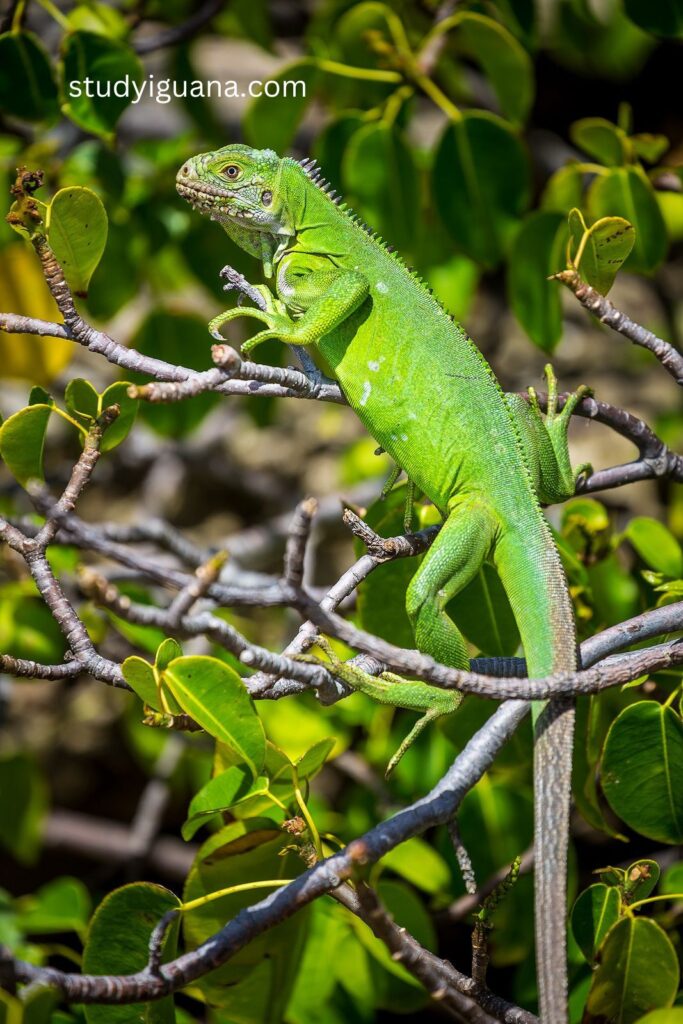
23 291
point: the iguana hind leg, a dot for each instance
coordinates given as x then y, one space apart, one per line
454 558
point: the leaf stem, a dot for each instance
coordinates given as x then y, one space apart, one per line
315 835
335 67
656 899
55 13
270 883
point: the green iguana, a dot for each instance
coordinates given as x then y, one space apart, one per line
485 459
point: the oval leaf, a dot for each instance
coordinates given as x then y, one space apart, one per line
382 182
600 139
22 289
504 60
656 545
107 63
599 251
118 940
538 252
272 121
594 913
22 440
215 696
642 770
480 206
219 794
638 971
117 394
77 233
626 192
27 86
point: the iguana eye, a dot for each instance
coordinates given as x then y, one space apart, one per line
232 171
266 197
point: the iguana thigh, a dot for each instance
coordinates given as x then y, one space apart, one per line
453 560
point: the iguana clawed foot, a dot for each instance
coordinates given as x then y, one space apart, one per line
393 690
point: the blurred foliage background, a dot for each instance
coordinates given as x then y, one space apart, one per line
464 133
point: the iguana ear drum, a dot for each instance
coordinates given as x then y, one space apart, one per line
266 197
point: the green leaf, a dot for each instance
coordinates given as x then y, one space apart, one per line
650 148
310 763
670 1015
118 940
139 675
272 121
24 802
656 545
117 394
243 852
504 60
627 192
77 232
601 139
219 794
641 879
638 971
599 251
166 653
663 18
82 400
105 62
482 611
642 770
99 17
59 906
27 86
538 252
594 913
564 189
381 182
672 879
480 206
216 697
420 864
22 440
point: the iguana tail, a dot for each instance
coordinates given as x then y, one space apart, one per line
532 574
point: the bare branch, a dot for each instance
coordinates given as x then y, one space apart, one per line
602 309
438 806
179 33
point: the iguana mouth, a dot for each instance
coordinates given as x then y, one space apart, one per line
211 200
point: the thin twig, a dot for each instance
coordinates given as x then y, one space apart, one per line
602 309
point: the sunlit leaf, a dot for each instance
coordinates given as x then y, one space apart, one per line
77 233
656 545
22 440
221 793
23 290
599 251
215 696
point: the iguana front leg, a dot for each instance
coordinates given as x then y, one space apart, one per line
312 303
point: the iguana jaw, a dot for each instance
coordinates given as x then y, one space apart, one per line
219 204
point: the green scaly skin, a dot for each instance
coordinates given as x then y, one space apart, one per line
428 396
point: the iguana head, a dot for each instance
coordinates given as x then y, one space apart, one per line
236 185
